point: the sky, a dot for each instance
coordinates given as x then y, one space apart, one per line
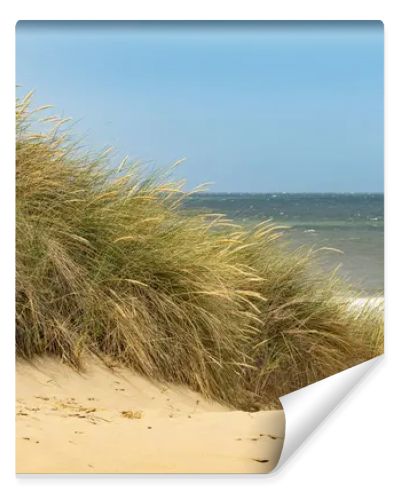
250 106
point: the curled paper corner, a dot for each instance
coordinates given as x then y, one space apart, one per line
308 407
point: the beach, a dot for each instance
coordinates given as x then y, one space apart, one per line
109 420
211 316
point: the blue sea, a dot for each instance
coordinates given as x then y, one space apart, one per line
352 223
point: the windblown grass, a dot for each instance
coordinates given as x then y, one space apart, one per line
109 262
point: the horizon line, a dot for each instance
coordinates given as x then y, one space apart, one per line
288 192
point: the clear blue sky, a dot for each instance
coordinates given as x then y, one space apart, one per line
255 107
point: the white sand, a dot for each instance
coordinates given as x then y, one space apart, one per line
73 423
370 301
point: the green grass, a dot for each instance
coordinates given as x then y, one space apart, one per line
109 262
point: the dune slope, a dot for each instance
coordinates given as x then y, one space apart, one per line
112 421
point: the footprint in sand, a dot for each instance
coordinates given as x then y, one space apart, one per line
137 414
25 438
89 410
274 437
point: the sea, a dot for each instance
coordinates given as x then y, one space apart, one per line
350 223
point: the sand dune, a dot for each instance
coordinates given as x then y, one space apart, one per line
112 421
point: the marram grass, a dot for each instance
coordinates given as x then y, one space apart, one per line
108 262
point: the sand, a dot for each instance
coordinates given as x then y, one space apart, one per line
113 421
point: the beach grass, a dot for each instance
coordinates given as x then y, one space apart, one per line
110 263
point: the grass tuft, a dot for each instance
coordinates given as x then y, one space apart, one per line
109 262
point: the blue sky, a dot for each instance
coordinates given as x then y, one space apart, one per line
253 107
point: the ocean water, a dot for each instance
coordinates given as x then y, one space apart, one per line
351 223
